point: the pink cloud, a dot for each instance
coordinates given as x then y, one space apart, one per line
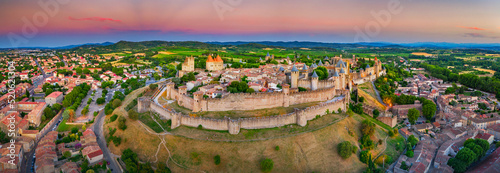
473 28
100 19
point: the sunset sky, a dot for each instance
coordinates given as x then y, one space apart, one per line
96 21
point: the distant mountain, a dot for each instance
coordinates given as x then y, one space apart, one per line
86 45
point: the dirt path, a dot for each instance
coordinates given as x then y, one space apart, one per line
381 152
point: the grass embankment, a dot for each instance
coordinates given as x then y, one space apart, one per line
66 127
367 91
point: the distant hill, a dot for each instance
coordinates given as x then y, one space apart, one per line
86 45
276 44
151 44
434 45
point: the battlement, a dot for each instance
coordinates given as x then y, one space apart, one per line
299 117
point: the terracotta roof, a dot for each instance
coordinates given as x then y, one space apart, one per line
484 136
95 154
54 94
210 59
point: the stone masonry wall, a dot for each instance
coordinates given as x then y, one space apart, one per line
299 117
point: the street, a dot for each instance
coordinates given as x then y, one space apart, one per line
98 130
28 161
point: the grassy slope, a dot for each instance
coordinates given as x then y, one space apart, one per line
314 151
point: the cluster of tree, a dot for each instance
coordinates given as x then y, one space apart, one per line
346 149
106 84
132 163
474 149
367 131
356 108
188 77
488 84
239 87
74 99
81 71
50 111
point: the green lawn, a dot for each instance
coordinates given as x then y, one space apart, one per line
148 120
66 127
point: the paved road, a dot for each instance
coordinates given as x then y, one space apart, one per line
28 161
378 95
98 130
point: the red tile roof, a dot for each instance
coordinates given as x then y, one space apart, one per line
95 154
54 94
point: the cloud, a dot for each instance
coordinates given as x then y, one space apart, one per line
478 35
100 19
473 28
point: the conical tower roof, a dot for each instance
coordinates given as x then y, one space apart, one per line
294 69
314 74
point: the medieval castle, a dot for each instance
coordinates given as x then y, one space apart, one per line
333 92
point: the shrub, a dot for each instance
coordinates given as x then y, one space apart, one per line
340 110
345 149
67 154
266 165
200 127
66 140
113 118
277 148
117 140
391 133
74 130
217 159
121 123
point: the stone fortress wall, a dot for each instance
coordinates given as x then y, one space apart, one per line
299 117
247 101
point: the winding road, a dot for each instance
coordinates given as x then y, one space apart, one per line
97 127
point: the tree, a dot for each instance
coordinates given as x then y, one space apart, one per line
376 113
100 100
412 140
153 86
266 165
364 156
409 153
116 103
466 155
413 115
132 114
48 91
90 171
457 165
428 109
344 149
